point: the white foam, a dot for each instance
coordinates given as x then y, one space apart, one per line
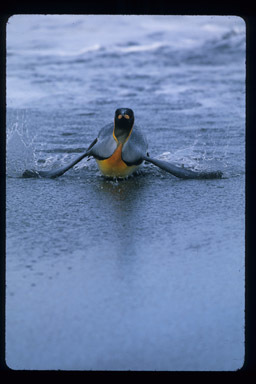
79 52
141 48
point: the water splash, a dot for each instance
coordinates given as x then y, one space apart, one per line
196 157
20 149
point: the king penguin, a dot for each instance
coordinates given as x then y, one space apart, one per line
120 149
119 146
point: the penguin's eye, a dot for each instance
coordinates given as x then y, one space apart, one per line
119 117
127 117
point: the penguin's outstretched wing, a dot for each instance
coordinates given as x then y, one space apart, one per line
58 172
135 152
182 172
101 148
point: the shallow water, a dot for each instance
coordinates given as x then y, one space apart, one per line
145 273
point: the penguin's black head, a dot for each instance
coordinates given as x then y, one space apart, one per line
124 120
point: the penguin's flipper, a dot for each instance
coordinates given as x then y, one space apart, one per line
58 172
181 172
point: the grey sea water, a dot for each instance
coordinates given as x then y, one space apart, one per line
145 273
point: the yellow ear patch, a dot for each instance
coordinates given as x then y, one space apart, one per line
127 117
